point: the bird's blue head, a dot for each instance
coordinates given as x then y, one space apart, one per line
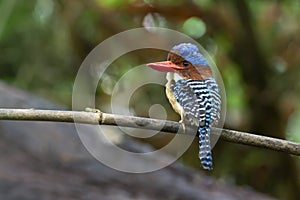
190 53
186 60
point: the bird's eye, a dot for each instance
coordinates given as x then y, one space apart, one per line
185 63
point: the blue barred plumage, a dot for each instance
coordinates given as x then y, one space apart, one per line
201 104
193 93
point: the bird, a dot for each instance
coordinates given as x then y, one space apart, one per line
193 93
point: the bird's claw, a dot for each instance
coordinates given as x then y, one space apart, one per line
94 110
182 125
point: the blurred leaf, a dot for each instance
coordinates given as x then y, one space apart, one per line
111 3
153 20
293 127
43 11
194 27
203 3
164 2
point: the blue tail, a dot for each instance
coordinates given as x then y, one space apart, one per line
205 154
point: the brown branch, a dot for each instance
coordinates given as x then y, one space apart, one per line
97 117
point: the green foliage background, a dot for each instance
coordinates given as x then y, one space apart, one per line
256 45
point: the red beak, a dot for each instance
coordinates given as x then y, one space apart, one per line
165 66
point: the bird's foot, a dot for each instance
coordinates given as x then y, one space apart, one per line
183 127
94 110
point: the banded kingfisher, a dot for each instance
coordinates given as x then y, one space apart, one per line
193 93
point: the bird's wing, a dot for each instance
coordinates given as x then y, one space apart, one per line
216 99
194 97
187 99
201 103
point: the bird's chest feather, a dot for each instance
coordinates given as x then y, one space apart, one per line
170 94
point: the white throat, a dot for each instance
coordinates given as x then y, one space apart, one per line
173 76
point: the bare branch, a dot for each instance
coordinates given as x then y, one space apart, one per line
97 117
